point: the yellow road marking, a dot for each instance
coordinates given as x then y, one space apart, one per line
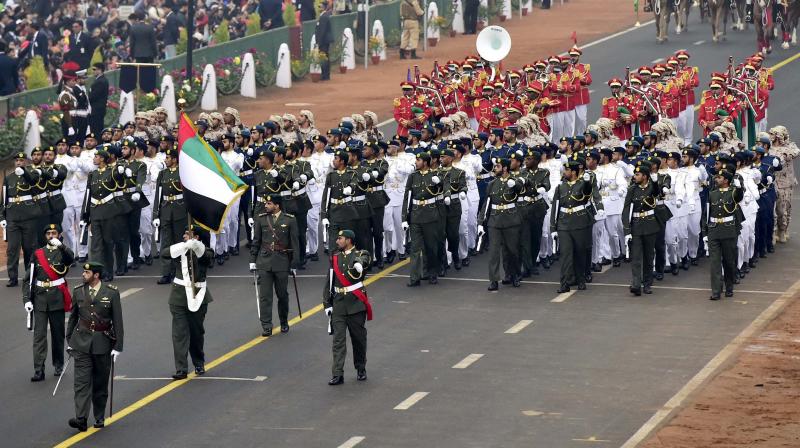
155 395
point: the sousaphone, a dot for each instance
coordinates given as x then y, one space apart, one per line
493 44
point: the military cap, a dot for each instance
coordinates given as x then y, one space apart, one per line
62 140
346 125
741 156
579 138
405 85
394 142
443 145
109 130
429 129
168 138
320 138
402 138
347 233
383 145
172 152
141 144
639 139
674 155
714 137
643 168
95 267
535 153
487 87
269 124
268 154
566 139
724 158
130 124
497 131
660 153
49 148
619 149
21 155
275 199
346 130
335 131
151 142
55 226
424 156
765 140
434 153
516 155
759 149
608 151
513 128
259 128
502 161
449 152
691 152
593 133
614 82
438 125
341 154
36 149
415 133
229 136
575 51
483 136
216 144
245 133
575 164
726 174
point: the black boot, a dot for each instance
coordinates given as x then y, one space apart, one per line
402 54
78 423
414 55
390 257
37 376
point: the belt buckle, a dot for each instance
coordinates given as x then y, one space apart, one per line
46 284
91 326
569 210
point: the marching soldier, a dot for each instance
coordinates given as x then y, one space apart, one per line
19 215
300 176
189 298
54 175
504 222
571 224
266 181
39 192
420 219
169 211
47 297
337 211
135 178
454 190
720 231
376 196
347 306
641 228
273 254
537 181
100 210
95 338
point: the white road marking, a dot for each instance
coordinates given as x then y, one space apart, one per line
700 42
466 362
352 441
425 351
400 301
410 401
227 378
519 326
713 367
129 292
563 296
591 91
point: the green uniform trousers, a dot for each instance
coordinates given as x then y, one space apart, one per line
503 249
169 233
643 249
574 256
723 253
40 321
267 281
188 336
354 323
91 383
101 248
20 235
425 240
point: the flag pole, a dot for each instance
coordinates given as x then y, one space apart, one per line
181 105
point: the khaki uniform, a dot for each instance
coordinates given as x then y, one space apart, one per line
410 13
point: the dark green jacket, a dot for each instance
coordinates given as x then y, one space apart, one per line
360 192
454 181
376 196
264 185
167 207
639 201
55 176
501 210
419 202
47 298
100 186
569 196
17 205
538 178
719 219
275 242
335 183
346 303
104 310
177 295
297 202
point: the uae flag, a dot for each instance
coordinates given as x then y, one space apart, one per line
210 186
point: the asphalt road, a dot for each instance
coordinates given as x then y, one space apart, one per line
449 365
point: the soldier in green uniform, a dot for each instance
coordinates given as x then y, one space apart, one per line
54 174
376 196
135 177
347 306
502 218
421 215
95 337
337 211
19 215
363 212
169 211
571 224
298 203
664 183
100 210
267 181
120 173
39 193
720 230
273 254
454 190
537 184
189 298
47 297
641 227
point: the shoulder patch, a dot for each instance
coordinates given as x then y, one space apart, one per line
605 101
397 102
111 286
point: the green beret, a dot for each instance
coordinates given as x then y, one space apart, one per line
93 266
347 234
56 227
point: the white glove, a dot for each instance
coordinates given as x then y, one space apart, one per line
249 151
628 239
511 183
404 225
197 246
55 174
375 174
665 190
553 235
653 177
156 222
71 131
601 214
312 181
55 242
358 267
19 171
273 173
769 180
462 196
776 163
621 163
28 307
480 230
295 185
128 172
136 196
679 202
250 222
293 271
692 208
612 184
121 169
705 241
303 178
587 177
447 200
365 177
348 190
541 191
435 180
326 222
68 349
114 355
329 311
3 224
737 183
252 267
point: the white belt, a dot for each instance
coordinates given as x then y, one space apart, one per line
659 202
129 190
23 198
182 282
347 289
54 193
118 193
39 196
50 283
454 196
286 193
79 113
473 187
762 190
260 199
374 189
424 201
570 210
643 214
484 176
721 220
104 200
341 201
359 198
503 206
172 197
246 173
299 192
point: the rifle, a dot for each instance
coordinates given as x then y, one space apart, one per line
327 200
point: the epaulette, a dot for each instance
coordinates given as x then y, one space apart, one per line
112 286
75 288
263 214
476 103
396 102
605 101
288 214
588 66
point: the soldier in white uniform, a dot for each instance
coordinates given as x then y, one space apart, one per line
613 188
472 166
321 163
73 189
601 249
146 229
227 240
695 176
401 165
554 162
750 178
675 232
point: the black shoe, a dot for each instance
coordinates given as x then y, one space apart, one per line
673 268
379 265
546 263
562 289
336 380
693 261
148 260
597 267
581 286
685 263
390 257
413 284
492 286
362 375
99 424
226 255
659 276
729 293
736 280
179 376
235 251
58 371
647 289
605 261
433 280
78 423
714 297
771 250
165 279
402 54
457 265
135 266
82 259
507 280
220 260
119 273
37 376
472 252
465 262
200 370
267 332
636 291
752 263
589 278
12 282
284 328
402 257
443 272
414 55
314 257
616 263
